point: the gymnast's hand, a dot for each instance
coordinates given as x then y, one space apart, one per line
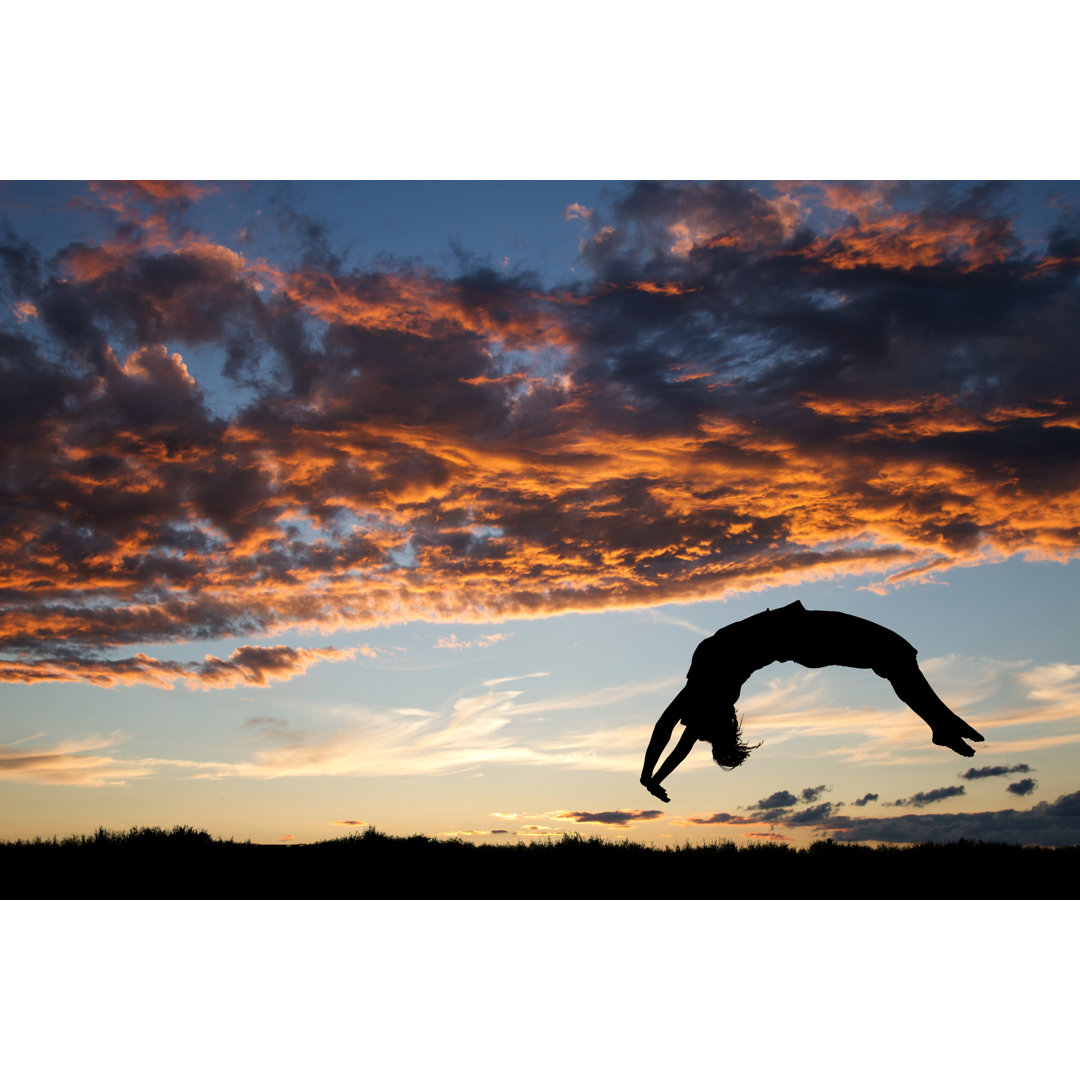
654 788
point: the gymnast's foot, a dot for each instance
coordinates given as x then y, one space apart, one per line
954 742
968 732
952 734
959 746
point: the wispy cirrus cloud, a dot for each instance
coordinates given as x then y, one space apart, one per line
497 723
480 728
485 641
746 388
75 763
473 834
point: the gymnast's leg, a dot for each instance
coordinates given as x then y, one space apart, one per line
912 688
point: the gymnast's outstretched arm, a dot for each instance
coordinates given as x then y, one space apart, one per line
662 732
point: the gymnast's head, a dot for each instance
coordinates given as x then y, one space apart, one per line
729 750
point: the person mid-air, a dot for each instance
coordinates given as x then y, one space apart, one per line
722 663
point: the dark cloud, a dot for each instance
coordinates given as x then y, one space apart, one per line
925 798
869 797
775 807
812 816
720 819
747 386
619 818
1022 787
994 770
1051 824
776 799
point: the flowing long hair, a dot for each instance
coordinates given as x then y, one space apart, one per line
728 749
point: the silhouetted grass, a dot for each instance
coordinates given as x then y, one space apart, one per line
187 863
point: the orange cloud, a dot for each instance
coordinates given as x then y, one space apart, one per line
423 305
478 449
250 665
577 211
902 241
118 193
878 235
874 234
663 288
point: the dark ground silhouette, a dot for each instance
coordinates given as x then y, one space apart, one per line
722 663
187 863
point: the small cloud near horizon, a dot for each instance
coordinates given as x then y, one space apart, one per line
1022 787
925 798
620 819
993 770
719 818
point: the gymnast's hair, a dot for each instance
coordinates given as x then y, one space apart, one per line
729 750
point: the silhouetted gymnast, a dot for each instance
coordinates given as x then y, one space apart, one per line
722 663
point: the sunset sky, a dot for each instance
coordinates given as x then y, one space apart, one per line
406 504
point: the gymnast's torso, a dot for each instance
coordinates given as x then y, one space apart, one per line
811 638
